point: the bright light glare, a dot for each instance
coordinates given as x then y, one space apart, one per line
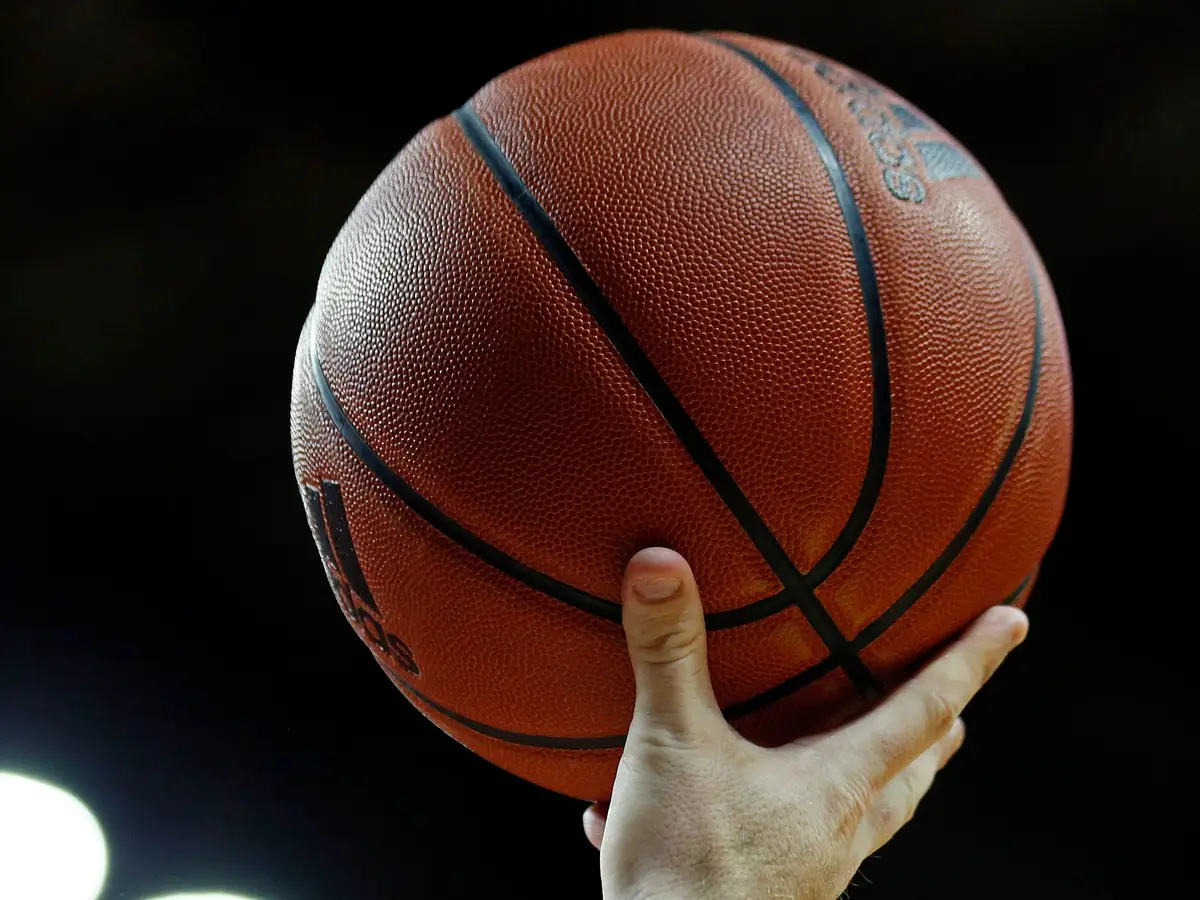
201 897
51 846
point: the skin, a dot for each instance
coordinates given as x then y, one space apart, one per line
700 813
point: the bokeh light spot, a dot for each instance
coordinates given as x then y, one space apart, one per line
51 846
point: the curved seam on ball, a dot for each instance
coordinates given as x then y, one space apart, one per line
605 742
669 406
881 387
976 516
452 529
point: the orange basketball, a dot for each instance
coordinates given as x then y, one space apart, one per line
704 291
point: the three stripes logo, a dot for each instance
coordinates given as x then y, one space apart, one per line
327 518
908 163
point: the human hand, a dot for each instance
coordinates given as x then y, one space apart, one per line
700 813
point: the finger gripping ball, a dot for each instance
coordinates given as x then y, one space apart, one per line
708 292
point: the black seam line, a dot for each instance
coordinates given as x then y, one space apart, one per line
959 541
737 710
781 690
1020 589
881 387
607 742
751 612
806 677
469 541
660 393
590 603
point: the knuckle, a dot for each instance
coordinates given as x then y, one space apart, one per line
660 744
939 710
897 810
963 669
906 813
849 803
670 644
887 820
911 789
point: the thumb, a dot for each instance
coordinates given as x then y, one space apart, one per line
664 628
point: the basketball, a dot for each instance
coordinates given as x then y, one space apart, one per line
702 291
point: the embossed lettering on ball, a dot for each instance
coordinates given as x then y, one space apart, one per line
706 291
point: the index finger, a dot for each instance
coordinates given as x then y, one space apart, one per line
885 740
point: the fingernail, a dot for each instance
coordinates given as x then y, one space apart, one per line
656 588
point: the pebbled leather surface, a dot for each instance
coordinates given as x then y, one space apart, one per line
687 186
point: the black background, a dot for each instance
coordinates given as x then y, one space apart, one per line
168 647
